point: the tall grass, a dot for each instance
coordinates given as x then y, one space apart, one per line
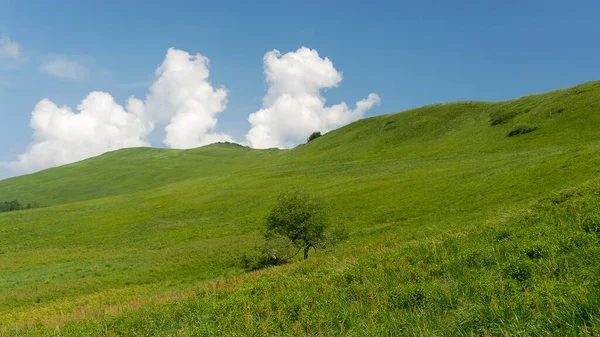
534 274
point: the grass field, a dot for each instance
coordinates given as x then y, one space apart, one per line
534 273
443 208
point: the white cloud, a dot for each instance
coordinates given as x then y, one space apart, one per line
62 136
62 67
183 97
9 49
293 106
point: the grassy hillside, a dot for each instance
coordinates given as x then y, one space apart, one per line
534 274
565 118
140 224
128 171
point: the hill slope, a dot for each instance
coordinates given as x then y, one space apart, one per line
565 117
136 223
534 274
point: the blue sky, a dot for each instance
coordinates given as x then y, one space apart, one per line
408 53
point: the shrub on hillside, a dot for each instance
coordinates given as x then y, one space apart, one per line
522 128
313 136
14 205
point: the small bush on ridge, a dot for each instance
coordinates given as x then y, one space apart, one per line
313 136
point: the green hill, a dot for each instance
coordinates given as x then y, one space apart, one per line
139 225
534 274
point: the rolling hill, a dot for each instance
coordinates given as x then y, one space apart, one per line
146 230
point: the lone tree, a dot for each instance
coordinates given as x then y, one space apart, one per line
313 136
297 222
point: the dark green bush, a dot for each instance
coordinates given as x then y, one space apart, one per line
313 136
522 128
9 206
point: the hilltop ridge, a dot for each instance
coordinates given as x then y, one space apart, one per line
563 117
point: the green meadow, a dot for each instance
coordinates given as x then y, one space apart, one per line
466 218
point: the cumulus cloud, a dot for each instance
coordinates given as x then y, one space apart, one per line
183 97
293 106
62 67
62 136
183 100
9 49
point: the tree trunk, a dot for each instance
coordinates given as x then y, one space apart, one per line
306 252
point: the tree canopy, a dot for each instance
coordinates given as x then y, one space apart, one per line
313 136
297 222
